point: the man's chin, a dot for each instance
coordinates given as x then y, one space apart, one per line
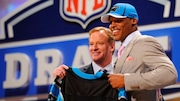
97 60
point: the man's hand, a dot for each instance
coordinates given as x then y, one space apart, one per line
116 80
60 71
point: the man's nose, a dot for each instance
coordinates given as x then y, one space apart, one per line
112 25
95 47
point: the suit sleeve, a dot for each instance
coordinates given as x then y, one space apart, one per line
162 71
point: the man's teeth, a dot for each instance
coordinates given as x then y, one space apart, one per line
115 31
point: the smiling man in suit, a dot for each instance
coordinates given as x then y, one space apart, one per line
101 48
143 67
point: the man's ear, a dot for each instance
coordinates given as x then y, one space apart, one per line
134 22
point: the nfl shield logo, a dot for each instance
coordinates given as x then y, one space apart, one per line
83 11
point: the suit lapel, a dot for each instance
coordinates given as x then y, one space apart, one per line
88 69
119 62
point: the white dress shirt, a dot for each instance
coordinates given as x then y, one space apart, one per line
129 38
109 67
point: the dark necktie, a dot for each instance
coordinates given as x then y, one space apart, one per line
105 71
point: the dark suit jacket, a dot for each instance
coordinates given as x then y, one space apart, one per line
87 69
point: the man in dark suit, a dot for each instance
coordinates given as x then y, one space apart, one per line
101 48
143 67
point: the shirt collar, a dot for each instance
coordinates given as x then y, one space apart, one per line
96 68
129 38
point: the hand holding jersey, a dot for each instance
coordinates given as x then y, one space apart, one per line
80 86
